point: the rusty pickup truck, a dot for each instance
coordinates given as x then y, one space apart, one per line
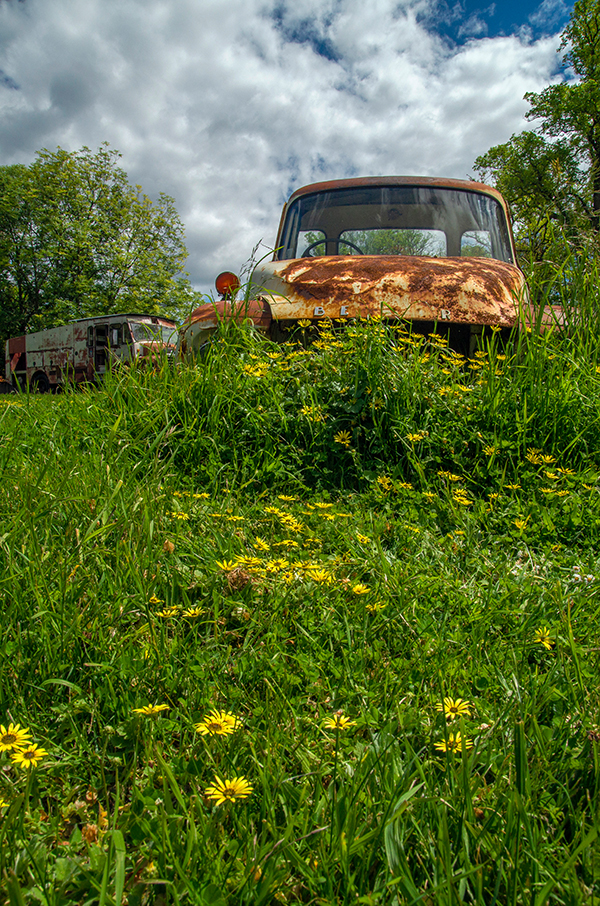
436 253
83 350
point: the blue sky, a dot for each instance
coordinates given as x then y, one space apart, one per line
463 21
229 105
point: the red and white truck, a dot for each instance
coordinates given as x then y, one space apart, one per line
83 350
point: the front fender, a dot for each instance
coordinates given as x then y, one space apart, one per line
197 330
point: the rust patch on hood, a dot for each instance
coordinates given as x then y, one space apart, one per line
459 290
214 313
205 320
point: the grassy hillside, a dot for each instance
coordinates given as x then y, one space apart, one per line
305 625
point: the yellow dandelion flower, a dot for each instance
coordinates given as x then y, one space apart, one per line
360 589
155 600
261 545
248 562
415 438
313 413
192 612
226 565
450 476
150 710
385 482
228 790
320 576
521 524
454 707
338 722
461 499
286 497
14 737
546 458
304 322
567 472
323 506
343 438
542 637
376 608
218 723
202 496
363 538
28 757
513 487
534 456
454 743
168 612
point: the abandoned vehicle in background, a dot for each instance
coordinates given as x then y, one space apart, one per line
437 254
83 350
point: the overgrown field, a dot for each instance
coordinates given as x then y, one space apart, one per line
305 624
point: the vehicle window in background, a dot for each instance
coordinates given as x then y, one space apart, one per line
306 238
396 242
428 218
153 333
476 243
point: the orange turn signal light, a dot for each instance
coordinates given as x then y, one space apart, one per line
227 284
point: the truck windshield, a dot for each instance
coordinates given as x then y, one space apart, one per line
396 220
153 333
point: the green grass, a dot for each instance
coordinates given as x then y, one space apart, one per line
365 525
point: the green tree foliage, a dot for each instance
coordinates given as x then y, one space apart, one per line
76 239
393 242
381 242
551 175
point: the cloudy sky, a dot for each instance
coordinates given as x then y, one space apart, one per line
229 105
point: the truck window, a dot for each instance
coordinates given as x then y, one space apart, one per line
101 335
115 335
395 242
90 336
153 333
476 243
394 220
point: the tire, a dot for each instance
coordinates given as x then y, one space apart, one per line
40 383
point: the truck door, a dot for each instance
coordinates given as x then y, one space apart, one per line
98 339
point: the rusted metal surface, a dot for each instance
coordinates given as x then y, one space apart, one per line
203 322
458 290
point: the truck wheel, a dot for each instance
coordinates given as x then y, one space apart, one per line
40 383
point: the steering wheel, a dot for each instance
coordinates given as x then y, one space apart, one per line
305 253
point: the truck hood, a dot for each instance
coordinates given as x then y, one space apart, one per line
457 290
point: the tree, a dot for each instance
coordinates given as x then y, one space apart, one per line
76 239
381 242
551 175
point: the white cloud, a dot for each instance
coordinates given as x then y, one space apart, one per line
549 14
230 105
